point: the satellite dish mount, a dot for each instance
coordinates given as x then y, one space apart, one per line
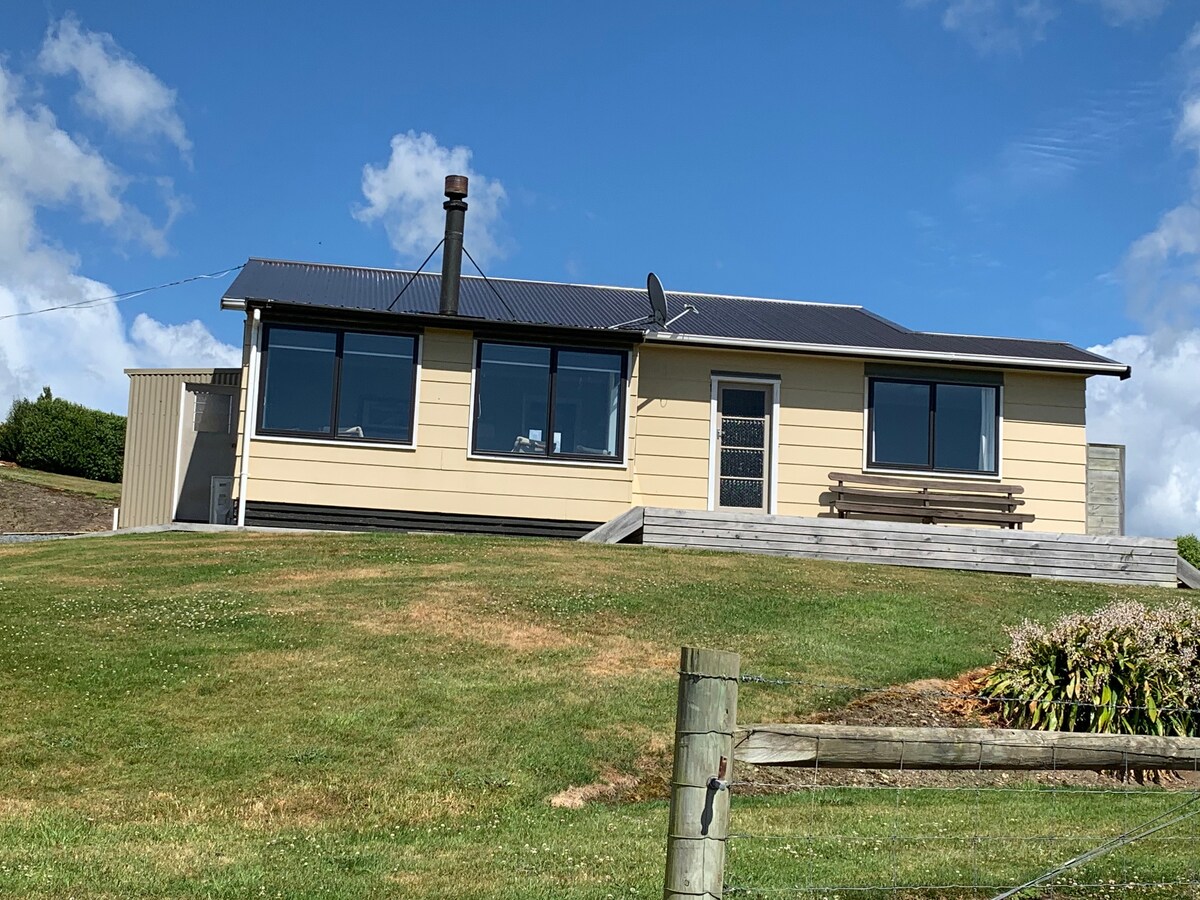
658 302
657 320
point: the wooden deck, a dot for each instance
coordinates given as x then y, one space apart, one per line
1077 557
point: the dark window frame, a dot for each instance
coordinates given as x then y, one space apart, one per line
933 385
549 455
336 398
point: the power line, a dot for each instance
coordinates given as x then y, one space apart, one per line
117 298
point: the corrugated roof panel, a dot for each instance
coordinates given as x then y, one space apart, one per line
597 307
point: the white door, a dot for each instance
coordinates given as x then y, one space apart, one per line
743 447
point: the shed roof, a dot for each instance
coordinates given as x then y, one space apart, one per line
718 320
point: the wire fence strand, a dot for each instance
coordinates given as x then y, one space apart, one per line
976 831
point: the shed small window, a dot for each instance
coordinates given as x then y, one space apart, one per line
935 426
341 385
214 413
549 402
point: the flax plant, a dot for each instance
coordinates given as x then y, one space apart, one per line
1123 669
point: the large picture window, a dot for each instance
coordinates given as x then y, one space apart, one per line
938 426
338 385
549 402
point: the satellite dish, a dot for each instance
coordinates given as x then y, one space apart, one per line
658 301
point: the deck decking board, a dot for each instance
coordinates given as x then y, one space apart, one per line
1074 557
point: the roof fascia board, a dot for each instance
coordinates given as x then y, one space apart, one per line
962 359
222 370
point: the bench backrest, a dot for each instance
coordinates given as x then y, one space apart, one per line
920 484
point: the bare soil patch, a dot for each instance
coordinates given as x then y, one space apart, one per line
28 508
652 780
576 797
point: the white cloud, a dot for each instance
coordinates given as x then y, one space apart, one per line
81 352
156 344
406 195
1129 12
1156 414
114 87
996 27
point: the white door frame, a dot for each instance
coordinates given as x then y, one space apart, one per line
772 440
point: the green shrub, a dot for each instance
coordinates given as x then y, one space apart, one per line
55 435
1189 548
1123 669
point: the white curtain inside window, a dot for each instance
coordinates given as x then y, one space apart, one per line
614 406
987 430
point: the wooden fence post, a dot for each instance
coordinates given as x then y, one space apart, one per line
705 719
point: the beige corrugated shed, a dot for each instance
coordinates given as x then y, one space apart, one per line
149 486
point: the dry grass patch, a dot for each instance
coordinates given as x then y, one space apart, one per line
174 858
73 580
264 665
447 619
611 655
316 577
440 570
608 788
12 807
292 807
619 655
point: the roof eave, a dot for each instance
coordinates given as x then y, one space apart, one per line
310 311
973 359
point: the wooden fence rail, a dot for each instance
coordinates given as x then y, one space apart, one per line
708 741
864 747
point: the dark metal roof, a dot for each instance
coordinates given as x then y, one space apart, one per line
717 318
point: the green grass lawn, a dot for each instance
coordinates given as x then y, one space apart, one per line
101 490
347 716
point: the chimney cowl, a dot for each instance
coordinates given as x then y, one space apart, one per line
456 186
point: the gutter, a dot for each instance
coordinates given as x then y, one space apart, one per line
249 424
974 359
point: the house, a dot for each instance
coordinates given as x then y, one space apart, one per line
383 398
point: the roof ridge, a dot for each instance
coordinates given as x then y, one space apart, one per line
605 287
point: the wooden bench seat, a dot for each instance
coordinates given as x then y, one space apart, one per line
927 501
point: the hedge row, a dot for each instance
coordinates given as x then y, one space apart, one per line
1189 548
55 435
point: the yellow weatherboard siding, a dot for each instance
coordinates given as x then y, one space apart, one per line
820 429
820 423
1045 447
438 476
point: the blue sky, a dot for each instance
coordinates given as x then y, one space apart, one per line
980 166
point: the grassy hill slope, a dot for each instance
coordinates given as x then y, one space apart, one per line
380 715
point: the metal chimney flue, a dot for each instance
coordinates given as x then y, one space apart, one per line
456 212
